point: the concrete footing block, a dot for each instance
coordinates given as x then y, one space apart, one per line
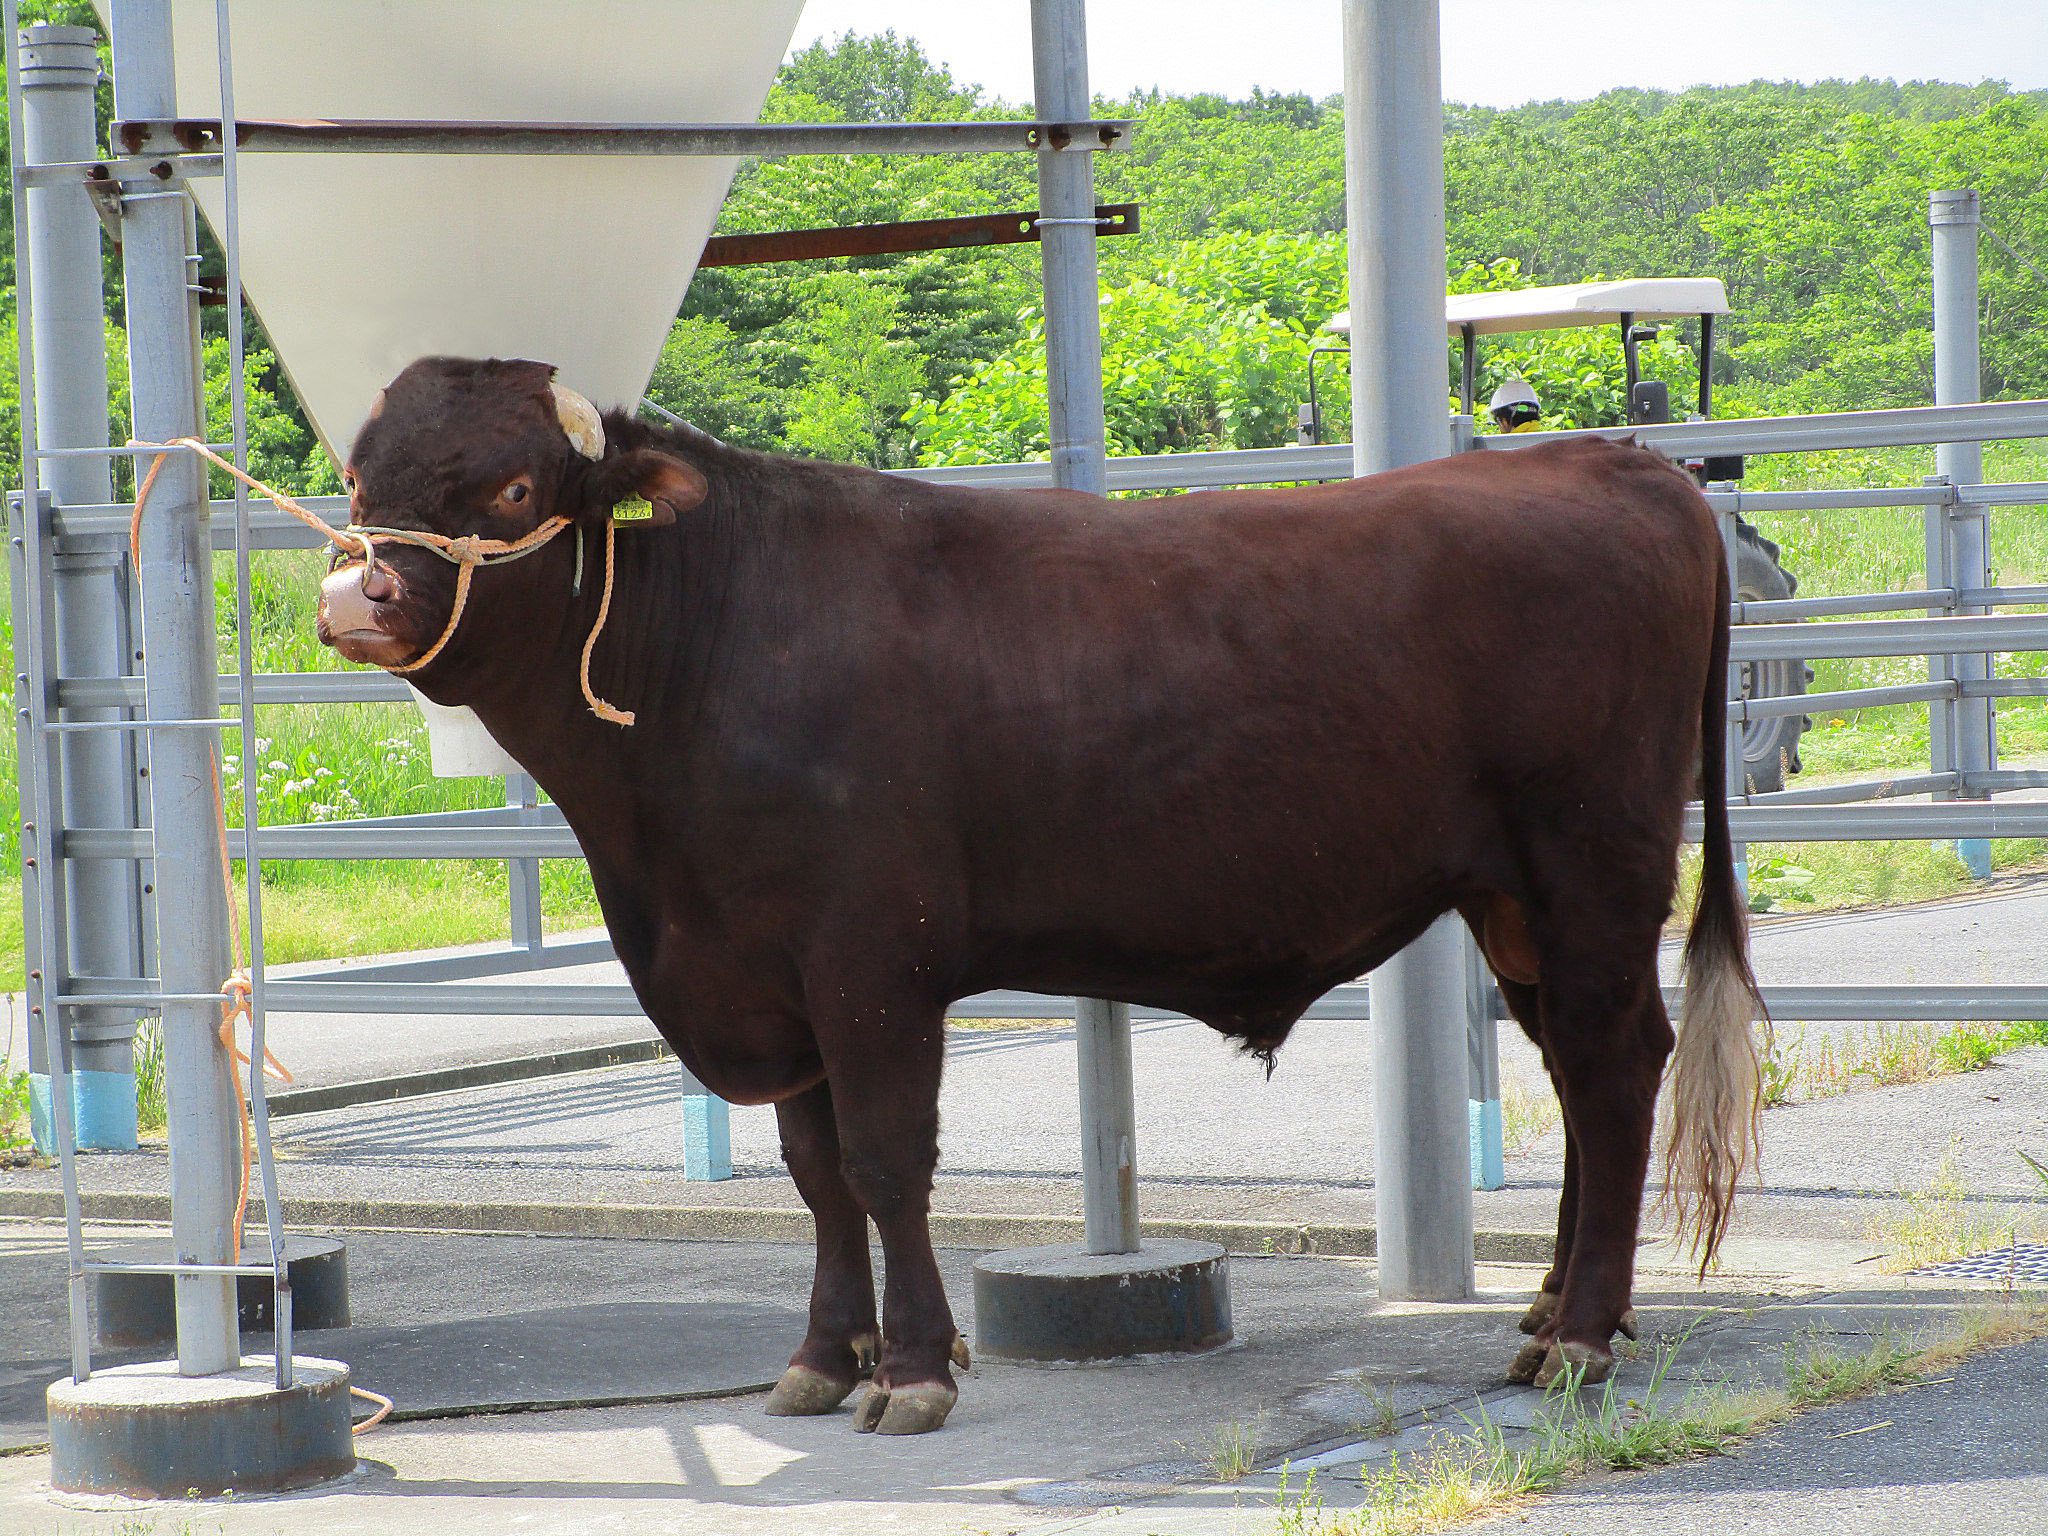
141 1309
102 1112
1062 1303
707 1138
145 1432
1489 1167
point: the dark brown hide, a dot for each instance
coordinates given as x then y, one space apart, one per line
1216 753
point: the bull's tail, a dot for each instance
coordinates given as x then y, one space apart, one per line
1715 1091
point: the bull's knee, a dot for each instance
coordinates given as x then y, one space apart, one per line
888 1186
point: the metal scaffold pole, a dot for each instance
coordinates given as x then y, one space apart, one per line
1394 183
97 782
157 248
1113 1294
1959 531
1073 349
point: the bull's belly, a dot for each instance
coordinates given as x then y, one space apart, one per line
1251 987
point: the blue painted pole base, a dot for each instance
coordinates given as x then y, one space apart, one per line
707 1138
102 1112
1488 1159
1976 856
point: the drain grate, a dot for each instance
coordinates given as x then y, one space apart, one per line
2024 1261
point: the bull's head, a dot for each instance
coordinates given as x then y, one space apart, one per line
486 450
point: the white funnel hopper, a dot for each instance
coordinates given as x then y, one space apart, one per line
359 264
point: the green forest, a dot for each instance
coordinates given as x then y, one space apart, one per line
1808 200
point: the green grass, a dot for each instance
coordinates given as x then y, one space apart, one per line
1943 1221
329 763
1883 1054
13 1109
1481 1472
152 1108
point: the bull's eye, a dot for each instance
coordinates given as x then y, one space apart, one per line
515 492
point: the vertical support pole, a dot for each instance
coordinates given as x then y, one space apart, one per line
1735 772
1482 1037
60 66
1706 397
182 684
707 1133
1953 218
1073 355
523 875
1394 182
32 584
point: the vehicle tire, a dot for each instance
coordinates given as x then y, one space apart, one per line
1770 747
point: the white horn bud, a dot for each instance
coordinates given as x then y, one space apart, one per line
580 421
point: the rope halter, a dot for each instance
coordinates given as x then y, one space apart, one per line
580 424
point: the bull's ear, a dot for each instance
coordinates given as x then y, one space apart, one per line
647 489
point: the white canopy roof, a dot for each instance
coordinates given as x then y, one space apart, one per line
1565 304
359 264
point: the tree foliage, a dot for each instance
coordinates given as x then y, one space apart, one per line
1809 200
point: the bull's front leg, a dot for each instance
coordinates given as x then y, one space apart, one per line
884 1065
841 1341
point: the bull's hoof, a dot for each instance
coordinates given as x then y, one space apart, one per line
1627 1325
803 1391
1541 1311
1528 1361
912 1410
1588 1363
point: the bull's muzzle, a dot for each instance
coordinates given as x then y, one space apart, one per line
358 605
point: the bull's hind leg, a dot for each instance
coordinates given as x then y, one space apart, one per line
1605 1039
1522 1003
841 1341
1502 932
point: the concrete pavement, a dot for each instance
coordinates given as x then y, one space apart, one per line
1123 1450
1322 1373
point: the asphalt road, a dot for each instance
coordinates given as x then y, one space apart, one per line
1967 1455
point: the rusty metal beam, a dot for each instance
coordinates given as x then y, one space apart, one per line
193 136
857 240
890 239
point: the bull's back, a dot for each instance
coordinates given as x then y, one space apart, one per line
1466 607
1277 714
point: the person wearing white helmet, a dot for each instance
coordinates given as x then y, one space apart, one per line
1514 407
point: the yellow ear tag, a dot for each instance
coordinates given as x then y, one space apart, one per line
634 509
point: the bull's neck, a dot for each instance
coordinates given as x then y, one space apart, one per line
659 646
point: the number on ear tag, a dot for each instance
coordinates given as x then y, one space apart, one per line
634 509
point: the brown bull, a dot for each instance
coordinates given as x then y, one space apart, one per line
898 743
